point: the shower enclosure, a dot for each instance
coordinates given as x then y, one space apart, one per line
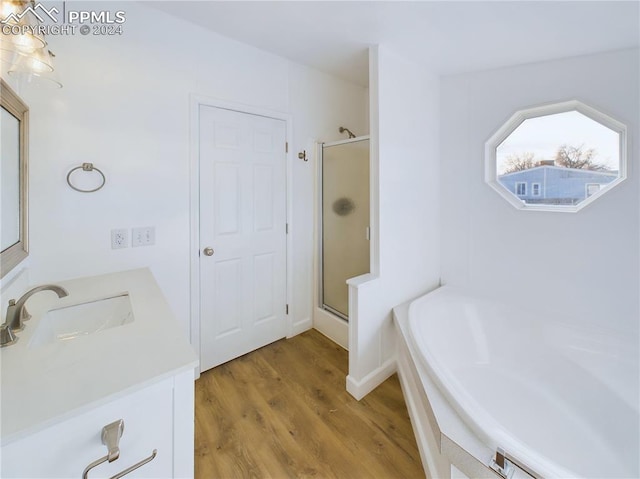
345 220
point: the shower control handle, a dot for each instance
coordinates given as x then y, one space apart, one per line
208 251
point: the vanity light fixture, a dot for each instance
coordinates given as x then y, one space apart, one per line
27 54
17 34
37 69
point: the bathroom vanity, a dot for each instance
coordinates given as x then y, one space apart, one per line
111 350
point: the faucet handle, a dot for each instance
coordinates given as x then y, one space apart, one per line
7 336
24 314
13 318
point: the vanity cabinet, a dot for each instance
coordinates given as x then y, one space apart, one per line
158 416
59 391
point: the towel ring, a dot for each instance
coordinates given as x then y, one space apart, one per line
86 167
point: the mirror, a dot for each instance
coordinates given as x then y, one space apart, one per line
14 124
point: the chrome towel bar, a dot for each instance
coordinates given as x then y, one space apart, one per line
136 465
111 434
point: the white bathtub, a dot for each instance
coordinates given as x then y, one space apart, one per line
561 399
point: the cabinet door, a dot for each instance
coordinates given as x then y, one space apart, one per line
66 449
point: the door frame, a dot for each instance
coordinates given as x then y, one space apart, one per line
195 102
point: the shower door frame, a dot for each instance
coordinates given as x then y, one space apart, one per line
320 223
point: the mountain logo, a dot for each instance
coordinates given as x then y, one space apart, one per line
34 10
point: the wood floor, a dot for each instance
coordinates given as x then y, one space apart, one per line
283 412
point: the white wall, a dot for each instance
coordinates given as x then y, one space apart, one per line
581 265
405 162
125 108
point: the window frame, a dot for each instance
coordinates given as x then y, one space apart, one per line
533 190
586 189
491 145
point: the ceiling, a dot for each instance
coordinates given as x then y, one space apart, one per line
447 37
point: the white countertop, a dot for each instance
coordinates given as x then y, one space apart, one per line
41 386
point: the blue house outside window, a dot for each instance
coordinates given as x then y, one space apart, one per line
555 185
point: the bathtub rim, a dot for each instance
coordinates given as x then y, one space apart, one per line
480 422
455 442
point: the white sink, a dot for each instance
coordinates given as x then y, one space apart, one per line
81 320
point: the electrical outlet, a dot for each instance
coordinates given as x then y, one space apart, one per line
119 238
144 236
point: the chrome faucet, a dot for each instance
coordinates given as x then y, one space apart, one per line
17 313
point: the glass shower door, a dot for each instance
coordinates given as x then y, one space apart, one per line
345 220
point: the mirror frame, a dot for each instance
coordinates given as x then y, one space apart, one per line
15 254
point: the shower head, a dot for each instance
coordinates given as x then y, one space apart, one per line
342 129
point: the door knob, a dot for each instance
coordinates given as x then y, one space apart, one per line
208 251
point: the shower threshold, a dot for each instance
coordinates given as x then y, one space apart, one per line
335 312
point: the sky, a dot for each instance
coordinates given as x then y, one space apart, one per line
543 135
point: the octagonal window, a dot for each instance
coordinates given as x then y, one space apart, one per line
558 157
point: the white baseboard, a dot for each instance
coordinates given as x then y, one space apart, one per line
300 327
333 327
359 389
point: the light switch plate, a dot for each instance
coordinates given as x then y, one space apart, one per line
143 236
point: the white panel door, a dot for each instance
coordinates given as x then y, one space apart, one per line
242 220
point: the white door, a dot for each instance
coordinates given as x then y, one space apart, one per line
242 233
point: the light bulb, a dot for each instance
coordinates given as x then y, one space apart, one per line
37 69
16 33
